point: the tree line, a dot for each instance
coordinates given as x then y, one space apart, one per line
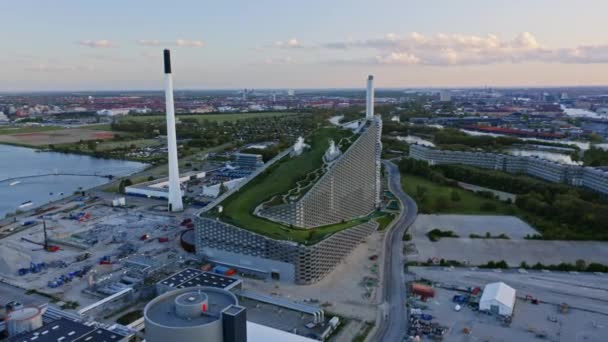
559 211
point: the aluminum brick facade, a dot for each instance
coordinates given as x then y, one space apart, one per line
349 189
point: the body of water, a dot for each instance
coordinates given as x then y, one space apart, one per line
335 120
583 145
412 139
582 113
553 156
19 162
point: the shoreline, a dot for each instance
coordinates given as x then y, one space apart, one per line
69 195
47 148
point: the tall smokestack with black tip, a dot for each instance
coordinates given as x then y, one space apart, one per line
175 192
167 55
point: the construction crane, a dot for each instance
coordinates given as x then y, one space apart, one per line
45 244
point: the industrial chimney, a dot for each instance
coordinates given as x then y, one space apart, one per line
175 192
369 100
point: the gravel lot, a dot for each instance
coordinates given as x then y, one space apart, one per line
480 251
463 225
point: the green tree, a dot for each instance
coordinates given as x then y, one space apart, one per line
580 265
441 203
123 184
223 188
455 196
487 206
92 145
420 191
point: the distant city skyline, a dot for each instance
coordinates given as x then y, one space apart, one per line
117 45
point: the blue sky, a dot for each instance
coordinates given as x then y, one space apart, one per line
88 45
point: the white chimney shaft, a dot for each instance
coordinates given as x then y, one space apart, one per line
175 192
369 101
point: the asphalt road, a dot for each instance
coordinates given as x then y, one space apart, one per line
393 325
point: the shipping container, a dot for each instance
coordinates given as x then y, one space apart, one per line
220 269
423 291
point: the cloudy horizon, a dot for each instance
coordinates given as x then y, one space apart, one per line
271 44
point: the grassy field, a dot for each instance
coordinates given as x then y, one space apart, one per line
468 203
210 117
32 129
139 143
385 220
100 127
41 136
238 208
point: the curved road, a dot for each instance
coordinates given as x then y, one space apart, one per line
393 324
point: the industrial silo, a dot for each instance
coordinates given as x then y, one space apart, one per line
23 320
195 314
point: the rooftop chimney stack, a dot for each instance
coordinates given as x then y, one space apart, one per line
369 101
175 192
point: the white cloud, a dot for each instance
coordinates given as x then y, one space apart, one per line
191 43
288 44
402 58
458 49
177 42
102 43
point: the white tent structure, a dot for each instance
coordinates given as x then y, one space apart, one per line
498 298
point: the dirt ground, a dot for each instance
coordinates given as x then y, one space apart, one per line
62 136
341 291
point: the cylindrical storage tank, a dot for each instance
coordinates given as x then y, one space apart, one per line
187 315
190 305
24 320
187 240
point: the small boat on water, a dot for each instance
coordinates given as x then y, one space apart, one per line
14 183
25 204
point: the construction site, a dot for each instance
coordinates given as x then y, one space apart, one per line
87 249
95 259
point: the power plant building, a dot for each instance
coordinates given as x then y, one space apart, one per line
248 160
195 314
349 188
